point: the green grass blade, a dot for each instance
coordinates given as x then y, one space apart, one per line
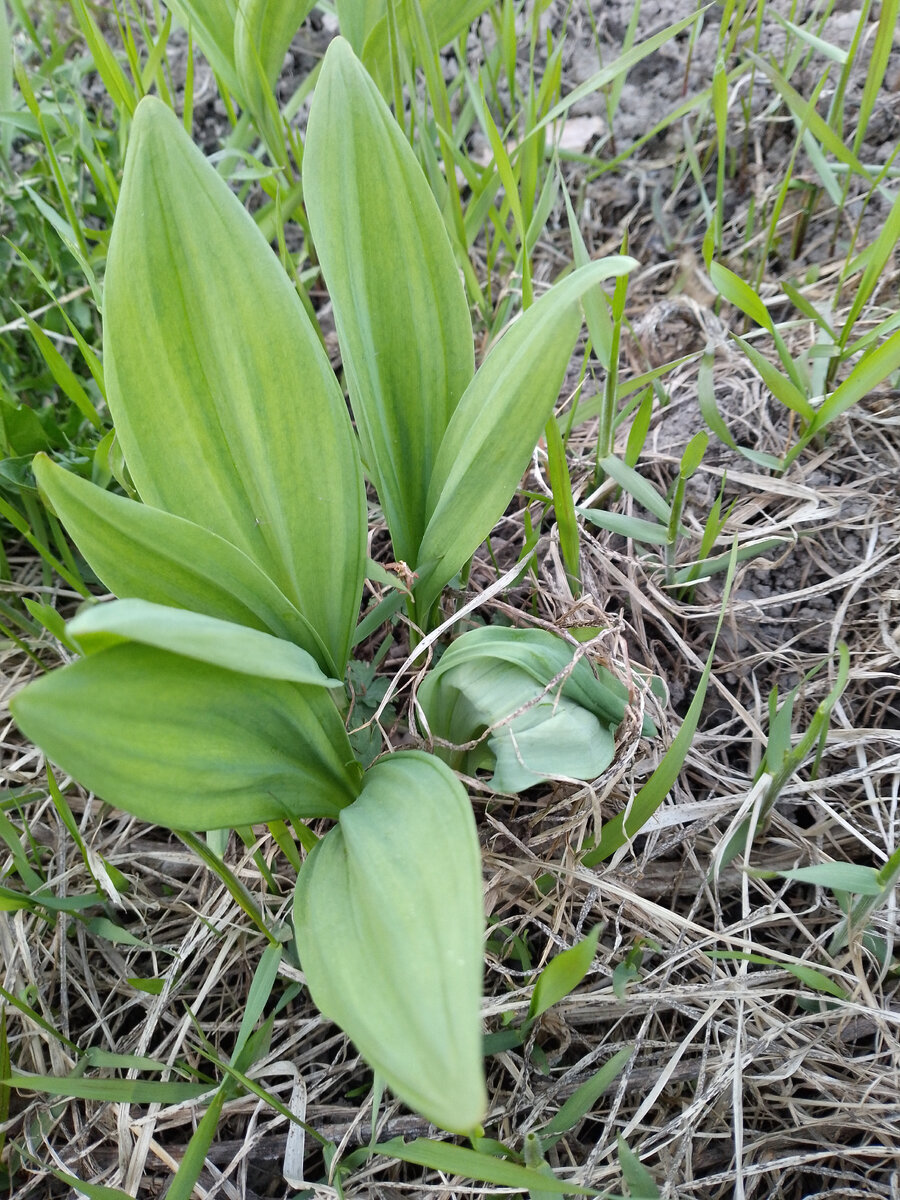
444 22
649 533
357 19
880 254
610 73
872 370
459 1160
62 373
211 24
563 974
641 1184
192 1162
114 1091
884 39
6 83
638 487
580 1103
804 114
782 388
563 503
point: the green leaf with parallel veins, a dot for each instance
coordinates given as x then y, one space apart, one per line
140 551
225 405
193 635
263 32
389 923
211 22
497 424
443 21
400 308
189 745
357 18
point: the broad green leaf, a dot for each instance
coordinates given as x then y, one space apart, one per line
263 32
840 877
497 424
444 21
211 23
460 1160
554 738
389 921
193 635
563 974
188 745
140 551
357 19
400 307
225 405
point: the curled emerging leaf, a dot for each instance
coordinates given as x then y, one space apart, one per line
535 712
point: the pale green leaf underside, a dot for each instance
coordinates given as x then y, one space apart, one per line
188 745
193 635
141 551
389 922
400 307
553 738
497 424
225 405
542 656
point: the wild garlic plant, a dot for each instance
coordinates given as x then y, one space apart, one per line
205 695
